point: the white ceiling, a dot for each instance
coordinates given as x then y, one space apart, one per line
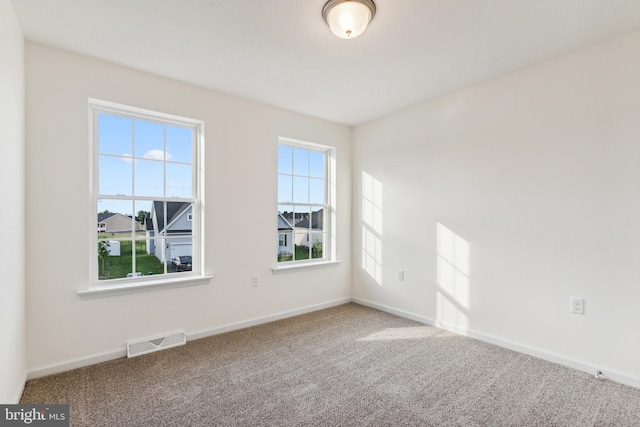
280 52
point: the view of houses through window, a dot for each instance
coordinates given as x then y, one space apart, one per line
145 193
302 202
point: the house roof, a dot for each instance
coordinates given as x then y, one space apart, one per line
174 210
283 223
103 216
317 221
299 216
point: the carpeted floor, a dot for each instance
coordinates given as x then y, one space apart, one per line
344 366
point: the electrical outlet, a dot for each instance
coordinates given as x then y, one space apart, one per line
401 275
255 280
576 305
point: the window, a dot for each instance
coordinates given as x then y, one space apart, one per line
304 215
146 194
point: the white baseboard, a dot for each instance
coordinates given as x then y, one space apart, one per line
581 365
93 359
612 374
392 310
79 362
20 389
266 319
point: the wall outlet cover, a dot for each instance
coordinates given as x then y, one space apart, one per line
576 305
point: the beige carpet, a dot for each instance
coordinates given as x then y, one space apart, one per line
344 366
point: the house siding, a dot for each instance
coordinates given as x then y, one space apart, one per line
118 223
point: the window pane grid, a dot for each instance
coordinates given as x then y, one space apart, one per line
302 200
147 186
145 158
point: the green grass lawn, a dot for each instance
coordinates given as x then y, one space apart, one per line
302 252
117 267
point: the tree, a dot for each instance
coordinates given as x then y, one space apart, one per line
143 215
103 254
317 249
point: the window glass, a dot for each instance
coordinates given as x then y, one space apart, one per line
302 201
146 194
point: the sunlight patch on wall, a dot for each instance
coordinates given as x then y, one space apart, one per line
372 254
452 297
372 202
372 227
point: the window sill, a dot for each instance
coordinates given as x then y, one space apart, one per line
101 291
303 266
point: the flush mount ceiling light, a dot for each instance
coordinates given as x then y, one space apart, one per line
348 18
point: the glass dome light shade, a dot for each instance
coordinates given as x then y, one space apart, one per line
348 19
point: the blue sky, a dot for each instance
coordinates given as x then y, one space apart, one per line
139 148
131 148
300 175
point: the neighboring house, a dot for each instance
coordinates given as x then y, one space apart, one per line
114 223
170 237
299 216
151 244
285 236
315 227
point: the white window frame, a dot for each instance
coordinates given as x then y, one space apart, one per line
329 215
196 276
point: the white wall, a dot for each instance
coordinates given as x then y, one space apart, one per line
12 189
536 178
241 167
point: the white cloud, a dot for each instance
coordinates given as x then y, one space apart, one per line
127 158
157 155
